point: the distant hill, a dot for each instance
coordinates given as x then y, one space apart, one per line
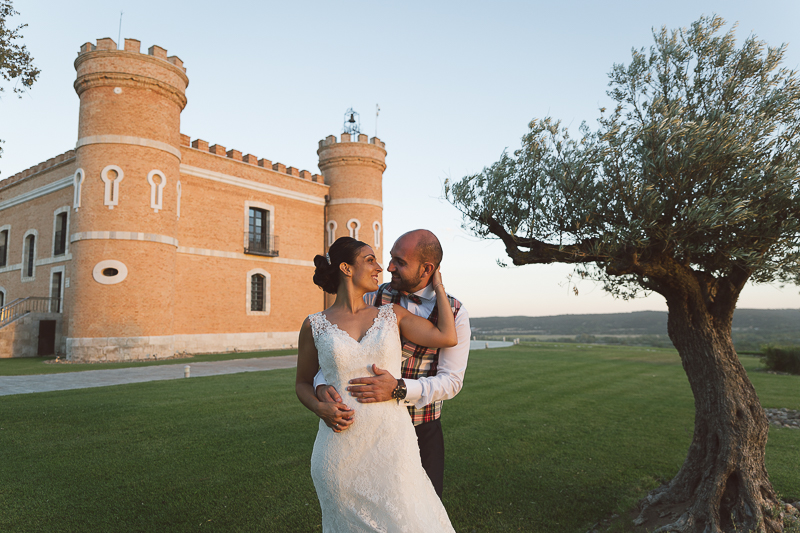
763 321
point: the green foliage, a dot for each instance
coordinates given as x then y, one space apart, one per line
581 432
697 165
16 62
782 358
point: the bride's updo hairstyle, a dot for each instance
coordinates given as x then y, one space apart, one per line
327 275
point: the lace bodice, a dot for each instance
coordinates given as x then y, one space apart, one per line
342 358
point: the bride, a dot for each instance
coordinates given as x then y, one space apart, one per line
368 478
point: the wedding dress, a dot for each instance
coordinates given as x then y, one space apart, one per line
369 478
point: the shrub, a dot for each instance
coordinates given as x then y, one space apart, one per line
781 358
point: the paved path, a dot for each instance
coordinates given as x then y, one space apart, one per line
103 378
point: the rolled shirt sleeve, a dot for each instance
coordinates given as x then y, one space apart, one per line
449 376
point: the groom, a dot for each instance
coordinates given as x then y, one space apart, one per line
429 375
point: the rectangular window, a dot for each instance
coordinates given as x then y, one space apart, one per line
55 293
3 247
258 237
60 239
259 225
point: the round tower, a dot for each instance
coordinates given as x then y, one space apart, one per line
124 221
353 168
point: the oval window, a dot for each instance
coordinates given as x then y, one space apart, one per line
109 272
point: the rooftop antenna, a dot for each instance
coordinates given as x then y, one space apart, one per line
119 35
352 122
377 112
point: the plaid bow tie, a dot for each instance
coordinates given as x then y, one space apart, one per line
413 297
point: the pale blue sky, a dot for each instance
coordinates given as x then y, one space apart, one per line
457 83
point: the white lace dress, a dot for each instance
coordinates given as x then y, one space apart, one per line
369 477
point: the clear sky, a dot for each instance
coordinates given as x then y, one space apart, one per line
457 83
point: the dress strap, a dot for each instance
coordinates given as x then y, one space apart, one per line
386 313
318 324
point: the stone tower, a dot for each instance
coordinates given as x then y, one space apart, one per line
127 194
353 168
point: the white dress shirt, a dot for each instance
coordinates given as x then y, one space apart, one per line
452 364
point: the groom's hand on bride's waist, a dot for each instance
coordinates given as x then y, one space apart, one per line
377 388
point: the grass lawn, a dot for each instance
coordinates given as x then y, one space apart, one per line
543 438
23 366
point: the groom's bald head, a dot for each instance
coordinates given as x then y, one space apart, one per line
426 245
415 257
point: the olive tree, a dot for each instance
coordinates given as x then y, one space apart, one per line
16 62
687 188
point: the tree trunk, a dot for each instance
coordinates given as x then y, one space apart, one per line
723 484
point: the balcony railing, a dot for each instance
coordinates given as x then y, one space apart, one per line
23 306
261 244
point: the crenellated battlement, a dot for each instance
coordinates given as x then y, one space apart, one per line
45 165
347 138
250 159
131 46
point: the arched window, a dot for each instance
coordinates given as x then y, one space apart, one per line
77 184
112 175
331 232
29 253
257 292
353 225
30 256
156 189
376 227
60 231
3 247
179 200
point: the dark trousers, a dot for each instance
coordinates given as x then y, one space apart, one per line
431 451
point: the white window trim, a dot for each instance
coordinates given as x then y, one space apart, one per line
111 194
77 185
332 232
179 199
57 212
354 231
258 205
267 295
53 271
8 245
156 190
24 263
376 227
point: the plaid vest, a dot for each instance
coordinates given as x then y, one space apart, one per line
418 361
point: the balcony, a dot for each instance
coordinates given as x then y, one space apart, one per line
261 244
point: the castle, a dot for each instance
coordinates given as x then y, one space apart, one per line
142 243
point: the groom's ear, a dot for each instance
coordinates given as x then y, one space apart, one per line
428 269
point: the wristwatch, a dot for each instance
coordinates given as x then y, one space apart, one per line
399 393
